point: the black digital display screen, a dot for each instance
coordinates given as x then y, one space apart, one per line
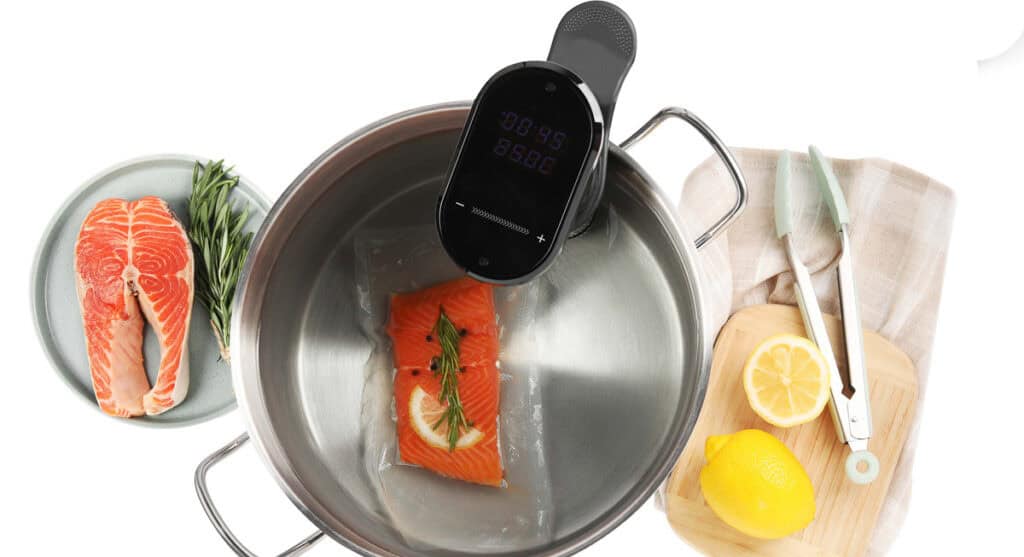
530 139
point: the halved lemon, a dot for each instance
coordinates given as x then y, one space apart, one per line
786 380
424 411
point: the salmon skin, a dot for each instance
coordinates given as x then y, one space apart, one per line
470 307
134 260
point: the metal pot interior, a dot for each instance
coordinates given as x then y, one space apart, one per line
623 377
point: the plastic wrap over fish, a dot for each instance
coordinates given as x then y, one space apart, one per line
432 511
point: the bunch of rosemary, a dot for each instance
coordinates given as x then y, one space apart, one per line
446 367
215 228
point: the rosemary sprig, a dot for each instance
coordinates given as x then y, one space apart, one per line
215 228
447 369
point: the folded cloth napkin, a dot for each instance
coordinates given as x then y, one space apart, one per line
900 224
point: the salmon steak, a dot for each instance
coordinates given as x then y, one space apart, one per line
423 432
133 260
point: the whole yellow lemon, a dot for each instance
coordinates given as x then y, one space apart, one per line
756 485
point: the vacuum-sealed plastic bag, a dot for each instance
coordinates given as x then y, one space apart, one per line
432 511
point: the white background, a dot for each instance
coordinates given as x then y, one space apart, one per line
86 84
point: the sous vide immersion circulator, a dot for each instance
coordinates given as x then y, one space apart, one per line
529 169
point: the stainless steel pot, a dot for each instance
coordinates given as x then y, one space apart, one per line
622 390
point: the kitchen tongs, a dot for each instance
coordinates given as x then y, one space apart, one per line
850 406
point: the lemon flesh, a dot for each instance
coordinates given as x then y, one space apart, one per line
425 411
786 380
756 485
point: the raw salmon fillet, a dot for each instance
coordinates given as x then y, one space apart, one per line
470 307
133 259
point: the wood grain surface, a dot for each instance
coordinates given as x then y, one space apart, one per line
846 513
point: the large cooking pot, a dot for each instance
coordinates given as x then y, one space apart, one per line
623 379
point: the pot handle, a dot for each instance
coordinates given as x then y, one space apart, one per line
218 522
723 154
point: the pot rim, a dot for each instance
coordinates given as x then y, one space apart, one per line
261 431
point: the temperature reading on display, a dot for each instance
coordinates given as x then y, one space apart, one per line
527 143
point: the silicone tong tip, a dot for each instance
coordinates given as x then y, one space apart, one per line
829 185
783 204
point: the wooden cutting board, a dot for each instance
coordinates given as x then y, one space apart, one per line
846 513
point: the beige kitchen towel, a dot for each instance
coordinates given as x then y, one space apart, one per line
900 227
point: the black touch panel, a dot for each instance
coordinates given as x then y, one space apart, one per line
530 141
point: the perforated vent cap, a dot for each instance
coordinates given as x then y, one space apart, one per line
601 16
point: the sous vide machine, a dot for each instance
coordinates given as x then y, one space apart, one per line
523 187
533 156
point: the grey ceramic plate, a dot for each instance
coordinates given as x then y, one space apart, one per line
55 303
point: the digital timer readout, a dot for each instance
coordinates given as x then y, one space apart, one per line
529 144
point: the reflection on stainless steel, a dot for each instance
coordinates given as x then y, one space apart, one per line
624 358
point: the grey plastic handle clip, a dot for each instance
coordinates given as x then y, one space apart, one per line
596 41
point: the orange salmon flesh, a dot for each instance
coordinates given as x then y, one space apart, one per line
470 307
133 260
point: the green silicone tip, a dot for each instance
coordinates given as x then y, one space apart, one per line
829 186
783 204
862 467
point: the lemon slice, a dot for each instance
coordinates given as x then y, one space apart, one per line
786 380
425 411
